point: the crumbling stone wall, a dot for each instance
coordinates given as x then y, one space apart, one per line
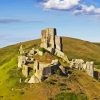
90 68
45 69
50 40
21 51
61 55
81 65
58 43
21 61
53 43
25 70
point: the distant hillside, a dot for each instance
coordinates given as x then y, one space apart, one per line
97 44
76 48
10 89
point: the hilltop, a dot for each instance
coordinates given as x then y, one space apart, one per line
74 48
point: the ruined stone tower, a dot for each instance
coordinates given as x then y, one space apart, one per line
21 51
50 40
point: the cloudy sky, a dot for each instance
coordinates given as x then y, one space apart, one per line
22 20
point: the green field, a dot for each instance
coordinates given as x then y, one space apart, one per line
79 84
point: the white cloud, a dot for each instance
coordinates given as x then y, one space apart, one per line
87 10
75 6
60 4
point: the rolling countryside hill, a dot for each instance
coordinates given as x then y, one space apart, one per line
79 85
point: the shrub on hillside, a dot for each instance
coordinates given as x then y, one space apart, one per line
58 72
70 96
41 49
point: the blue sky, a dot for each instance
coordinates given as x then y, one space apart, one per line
22 20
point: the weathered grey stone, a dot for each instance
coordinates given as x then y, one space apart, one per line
25 70
61 55
30 59
55 62
47 39
20 80
80 65
26 80
21 51
36 65
62 69
32 52
39 69
40 53
33 79
84 66
50 41
45 69
58 43
77 63
21 61
89 68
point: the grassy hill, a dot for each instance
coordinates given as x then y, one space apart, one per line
76 48
11 89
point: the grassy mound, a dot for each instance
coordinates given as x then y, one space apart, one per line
71 96
11 89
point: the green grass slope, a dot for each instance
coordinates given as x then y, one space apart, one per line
97 44
75 48
10 89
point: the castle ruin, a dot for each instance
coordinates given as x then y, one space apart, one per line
50 40
53 43
40 69
81 65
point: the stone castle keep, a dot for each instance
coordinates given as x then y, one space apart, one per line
50 40
31 64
